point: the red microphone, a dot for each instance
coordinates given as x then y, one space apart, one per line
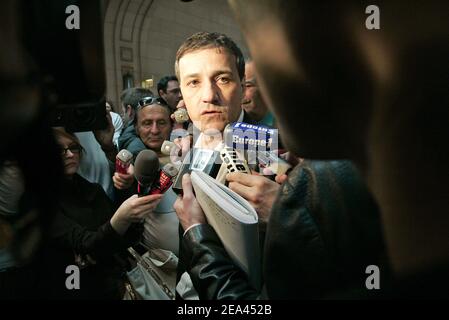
122 161
166 177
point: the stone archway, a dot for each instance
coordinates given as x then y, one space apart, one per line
142 36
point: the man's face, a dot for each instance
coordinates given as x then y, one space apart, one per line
153 126
173 94
126 115
211 88
252 102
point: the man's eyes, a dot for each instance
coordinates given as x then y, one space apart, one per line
219 80
150 123
192 83
223 80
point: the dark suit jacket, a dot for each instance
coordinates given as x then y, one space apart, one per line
324 230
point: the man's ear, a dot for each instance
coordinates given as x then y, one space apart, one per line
161 93
131 112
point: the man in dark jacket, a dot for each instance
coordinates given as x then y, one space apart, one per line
377 97
323 232
317 238
129 139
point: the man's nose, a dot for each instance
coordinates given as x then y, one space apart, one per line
210 93
154 129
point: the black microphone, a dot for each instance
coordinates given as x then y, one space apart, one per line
146 171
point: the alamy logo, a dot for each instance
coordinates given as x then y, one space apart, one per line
373 20
73 280
373 280
73 20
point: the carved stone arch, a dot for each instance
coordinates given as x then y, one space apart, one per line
122 36
143 36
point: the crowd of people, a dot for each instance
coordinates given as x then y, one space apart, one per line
362 116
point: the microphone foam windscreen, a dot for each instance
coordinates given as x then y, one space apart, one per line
146 167
124 156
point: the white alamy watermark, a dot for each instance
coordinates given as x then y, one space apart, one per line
73 280
73 20
372 22
373 280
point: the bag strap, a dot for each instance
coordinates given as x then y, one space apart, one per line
153 273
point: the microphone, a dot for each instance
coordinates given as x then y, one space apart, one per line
271 161
167 147
233 161
122 161
181 115
197 159
146 171
166 177
243 136
259 143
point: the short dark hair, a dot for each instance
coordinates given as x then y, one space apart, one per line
206 40
163 83
132 96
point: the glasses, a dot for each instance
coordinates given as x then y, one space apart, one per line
151 100
73 150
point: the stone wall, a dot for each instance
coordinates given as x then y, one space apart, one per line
142 36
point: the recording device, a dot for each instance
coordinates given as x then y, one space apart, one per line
146 171
150 179
70 62
167 147
258 143
271 161
233 161
181 115
205 160
123 161
166 178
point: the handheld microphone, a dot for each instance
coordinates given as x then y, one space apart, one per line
166 177
205 160
181 115
272 162
259 143
167 147
243 136
122 161
146 171
234 161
